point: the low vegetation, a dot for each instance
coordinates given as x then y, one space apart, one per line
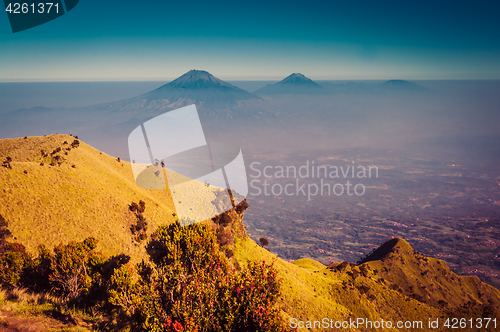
139 227
187 284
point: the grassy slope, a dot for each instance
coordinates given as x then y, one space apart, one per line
312 291
400 286
52 204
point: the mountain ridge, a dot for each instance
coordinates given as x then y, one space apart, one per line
199 86
429 280
403 85
196 79
298 79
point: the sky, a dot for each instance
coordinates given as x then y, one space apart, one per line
110 40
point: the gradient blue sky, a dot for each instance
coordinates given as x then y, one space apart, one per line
160 40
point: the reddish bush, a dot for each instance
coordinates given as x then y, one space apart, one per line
140 227
242 206
192 285
263 241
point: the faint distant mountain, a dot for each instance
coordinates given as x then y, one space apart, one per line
391 86
200 87
298 79
293 84
349 87
401 85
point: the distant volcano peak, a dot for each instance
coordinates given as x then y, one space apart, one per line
298 78
197 79
296 83
297 75
201 87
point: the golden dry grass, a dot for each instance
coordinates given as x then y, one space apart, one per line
55 204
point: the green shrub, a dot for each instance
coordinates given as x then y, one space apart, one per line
13 257
190 287
36 275
123 291
69 276
12 264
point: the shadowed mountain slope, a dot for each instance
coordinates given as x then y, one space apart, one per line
396 245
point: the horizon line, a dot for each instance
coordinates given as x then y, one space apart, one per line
263 79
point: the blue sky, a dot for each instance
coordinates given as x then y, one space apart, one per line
160 40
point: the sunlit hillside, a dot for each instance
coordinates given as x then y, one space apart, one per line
87 194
